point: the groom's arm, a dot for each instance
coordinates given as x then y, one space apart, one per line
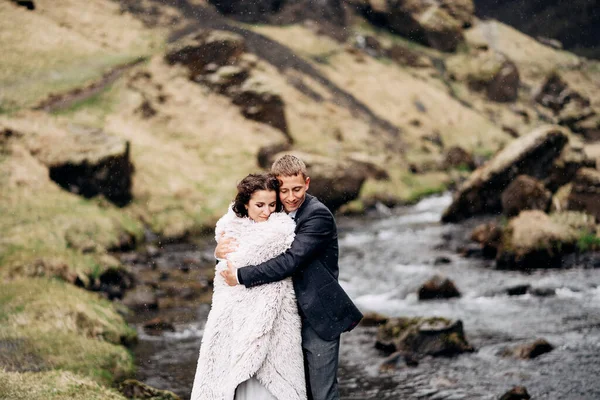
313 235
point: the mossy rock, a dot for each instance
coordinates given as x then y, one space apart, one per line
423 336
535 240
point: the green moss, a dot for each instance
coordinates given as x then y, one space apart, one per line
588 242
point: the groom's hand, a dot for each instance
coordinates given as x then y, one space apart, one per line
230 275
225 246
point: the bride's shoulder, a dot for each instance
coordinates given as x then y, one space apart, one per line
227 221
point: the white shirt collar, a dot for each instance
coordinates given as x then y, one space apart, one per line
292 214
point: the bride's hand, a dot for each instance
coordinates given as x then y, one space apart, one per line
225 246
230 274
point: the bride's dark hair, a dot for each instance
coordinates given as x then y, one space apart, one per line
251 184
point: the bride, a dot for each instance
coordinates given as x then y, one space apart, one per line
251 347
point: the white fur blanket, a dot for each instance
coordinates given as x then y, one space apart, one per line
256 331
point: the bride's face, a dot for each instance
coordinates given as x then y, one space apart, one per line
261 205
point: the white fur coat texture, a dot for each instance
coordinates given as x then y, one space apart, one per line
252 331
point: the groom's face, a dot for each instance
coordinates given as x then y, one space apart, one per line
292 191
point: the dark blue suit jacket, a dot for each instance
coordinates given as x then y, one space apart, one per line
312 262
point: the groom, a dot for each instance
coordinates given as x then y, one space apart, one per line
312 262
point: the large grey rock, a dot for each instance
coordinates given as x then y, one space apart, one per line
516 393
438 287
531 154
530 350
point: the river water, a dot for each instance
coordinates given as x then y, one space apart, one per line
383 260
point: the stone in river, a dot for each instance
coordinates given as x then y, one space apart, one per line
516 393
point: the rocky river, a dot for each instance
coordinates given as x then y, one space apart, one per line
384 259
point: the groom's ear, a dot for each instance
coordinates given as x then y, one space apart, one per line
307 182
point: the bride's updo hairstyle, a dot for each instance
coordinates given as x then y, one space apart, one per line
251 184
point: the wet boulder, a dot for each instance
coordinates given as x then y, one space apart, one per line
489 236
423 336
525 193
535 240
133 389
197 50
516 393
518 290
532 154
115 281
438 287
529 351
585 192
260 102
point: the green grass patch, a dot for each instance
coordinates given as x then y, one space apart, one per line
53 385
54 325
588 242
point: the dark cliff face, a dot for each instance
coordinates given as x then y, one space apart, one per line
575 23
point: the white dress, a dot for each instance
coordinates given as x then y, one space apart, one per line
252 389
252 332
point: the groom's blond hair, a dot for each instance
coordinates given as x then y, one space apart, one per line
288 165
